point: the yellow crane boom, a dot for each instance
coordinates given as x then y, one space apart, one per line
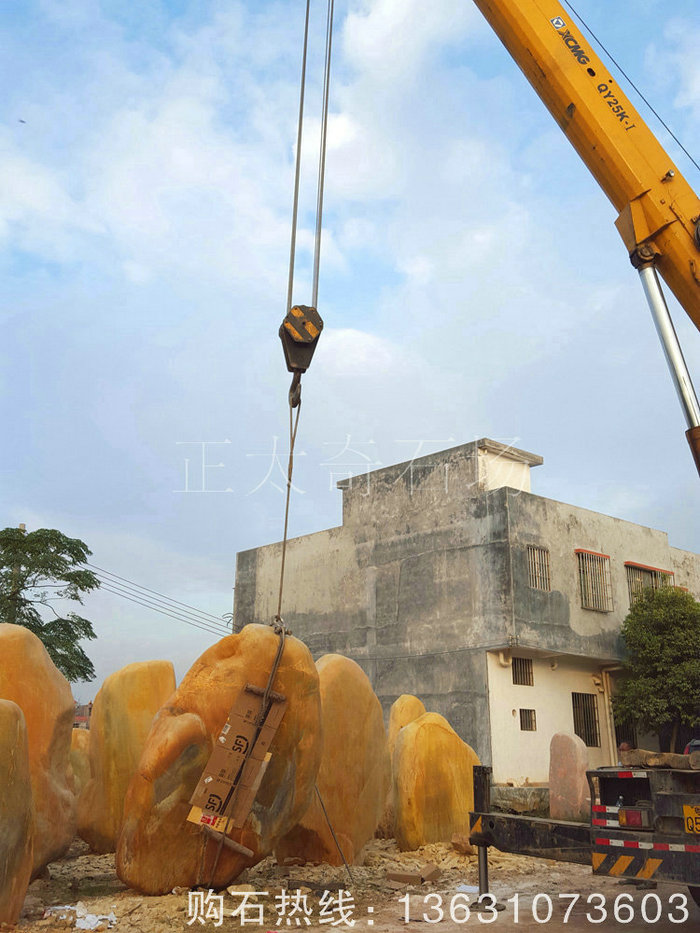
658 212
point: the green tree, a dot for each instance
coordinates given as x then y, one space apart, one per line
662 638
38 569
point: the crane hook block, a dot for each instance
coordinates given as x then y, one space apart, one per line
299 333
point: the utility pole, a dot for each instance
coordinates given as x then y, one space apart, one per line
14 593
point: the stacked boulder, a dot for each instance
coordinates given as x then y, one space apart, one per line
29 678
122 716
158 848
354 775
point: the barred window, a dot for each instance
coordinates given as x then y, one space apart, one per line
639 577
594 581
538 567
522 672
528 722
586 725
625 732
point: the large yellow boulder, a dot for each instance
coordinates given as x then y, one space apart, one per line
403 710
30 679
16 814
158 849
354 775
122 716
80 759
433 782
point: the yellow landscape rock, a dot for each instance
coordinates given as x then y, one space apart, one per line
122 716
30 679
354 775
80 759
403 710
433 782
16 812
158 849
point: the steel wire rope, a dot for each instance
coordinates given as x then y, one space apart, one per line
320 183
207 615
335 838
293 428
297 171
629 80
278 623
322 153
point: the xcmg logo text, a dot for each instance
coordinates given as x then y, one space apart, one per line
570 41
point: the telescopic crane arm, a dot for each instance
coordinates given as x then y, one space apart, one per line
658 212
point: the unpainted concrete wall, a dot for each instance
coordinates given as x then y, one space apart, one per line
429 571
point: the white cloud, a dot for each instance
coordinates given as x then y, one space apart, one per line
36 211
390 39
675 62
357 353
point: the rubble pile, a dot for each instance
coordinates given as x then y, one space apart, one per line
88 884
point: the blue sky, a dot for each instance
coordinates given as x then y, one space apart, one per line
472 281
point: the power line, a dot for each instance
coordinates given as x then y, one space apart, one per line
156 608
205 616
120 587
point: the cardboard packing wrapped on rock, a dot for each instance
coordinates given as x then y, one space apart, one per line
227 766
220 792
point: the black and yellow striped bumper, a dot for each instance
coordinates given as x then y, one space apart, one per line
645 857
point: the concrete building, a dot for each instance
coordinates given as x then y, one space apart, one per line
500 609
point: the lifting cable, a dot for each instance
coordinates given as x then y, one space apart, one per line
299 333
302 325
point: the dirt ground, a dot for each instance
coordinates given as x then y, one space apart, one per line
272 898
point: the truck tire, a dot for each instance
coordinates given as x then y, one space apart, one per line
694 891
